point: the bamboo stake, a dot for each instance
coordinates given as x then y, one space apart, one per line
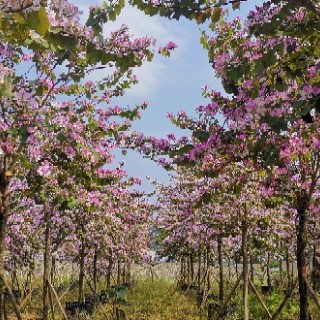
260 299
51 304
313 295
13 300
93 291
58 301
89 283
284 301
229 296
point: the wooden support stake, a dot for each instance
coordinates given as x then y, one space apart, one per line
229 296
25 300
51 304
260 299
64 293
12 299
93 291
89 283
288 294
313 295
58 301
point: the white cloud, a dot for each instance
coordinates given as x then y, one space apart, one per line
151 74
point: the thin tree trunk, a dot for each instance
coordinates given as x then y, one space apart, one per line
315 270
251 269
268 271
3 225
245 267
199 270
192 268
27 285
188 270
124 272
46 264
280 266
288 267
110 266
119 273
4 211
5 313
53 270
221 276
280 272
129 272
2 304
81 270
95 273
302 206
208 269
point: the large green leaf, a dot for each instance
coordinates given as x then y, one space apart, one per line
38 21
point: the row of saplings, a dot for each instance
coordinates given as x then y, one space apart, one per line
207 282
198 276
30 301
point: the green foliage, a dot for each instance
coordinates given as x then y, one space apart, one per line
107 11
289 312
200 11
117 294
38 21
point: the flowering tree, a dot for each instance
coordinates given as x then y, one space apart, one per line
235 207
270 69
58 130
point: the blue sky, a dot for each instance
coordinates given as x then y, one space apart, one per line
169 84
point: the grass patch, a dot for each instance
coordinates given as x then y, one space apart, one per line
159 299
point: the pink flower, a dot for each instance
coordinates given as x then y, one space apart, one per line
45 169
70 152
167 48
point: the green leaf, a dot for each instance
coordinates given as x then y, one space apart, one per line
112 15
281 86
121 294
71 203
317 106
38 21
201 136
5 90
269 59
298 104
305 111
61 137
278 125
216 14
61 41
236 73
18 17
258 67
236 5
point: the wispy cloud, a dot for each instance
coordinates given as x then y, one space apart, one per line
140 25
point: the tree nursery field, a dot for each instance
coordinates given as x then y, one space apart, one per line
233 233
156 291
